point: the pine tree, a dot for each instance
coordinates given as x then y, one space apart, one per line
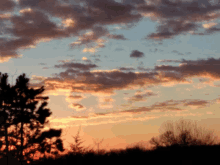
5 110
29 121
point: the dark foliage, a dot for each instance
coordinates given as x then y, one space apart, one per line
18 108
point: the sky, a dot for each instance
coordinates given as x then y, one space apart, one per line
117 68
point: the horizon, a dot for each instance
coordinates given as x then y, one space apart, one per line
118 68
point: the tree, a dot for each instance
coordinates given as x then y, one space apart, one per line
6 99
29 121
76 148
185 134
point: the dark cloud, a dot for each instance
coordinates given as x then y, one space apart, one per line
190 68
27 30
80 66
179 17
76 79
117 37
90 38
176 103
38 21
44 20
172 28
8 48
75 97
79 78
171 105
126 69
168 105
166 60
209 31
136 54
111 12
141 97
35 25
82 80
198 103
69 73
7 5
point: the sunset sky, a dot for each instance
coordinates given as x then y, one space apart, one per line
118 68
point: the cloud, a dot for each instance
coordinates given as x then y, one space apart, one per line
140 97
7 5
172 28
71 98
76 106
178 17
84 58
209 25
136 54
196 103
189 68
41 21
178 53
176 105
167 60
91 39
29 28
80 78
117 37
75 97
35 25
126 68
96 81
105 102
80 66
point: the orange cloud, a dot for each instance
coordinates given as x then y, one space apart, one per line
76 106
105 102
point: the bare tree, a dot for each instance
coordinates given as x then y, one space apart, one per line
98 143
183 133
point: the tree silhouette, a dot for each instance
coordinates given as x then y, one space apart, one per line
5 109
29 121
98 143
77 148
185 134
